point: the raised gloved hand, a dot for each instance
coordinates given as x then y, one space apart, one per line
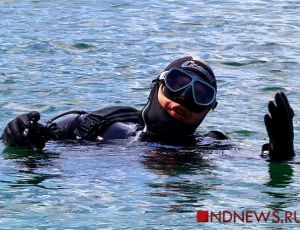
279 125
25 131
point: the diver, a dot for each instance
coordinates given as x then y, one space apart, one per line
180 98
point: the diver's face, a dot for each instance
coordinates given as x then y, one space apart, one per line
178 111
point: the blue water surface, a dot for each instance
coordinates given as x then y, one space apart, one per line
62 55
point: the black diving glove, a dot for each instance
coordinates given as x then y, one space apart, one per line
25 131
279 125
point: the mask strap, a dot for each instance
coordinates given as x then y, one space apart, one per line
214 105
162 76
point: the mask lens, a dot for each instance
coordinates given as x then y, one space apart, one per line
176 80
203 93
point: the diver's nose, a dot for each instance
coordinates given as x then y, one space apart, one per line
185 94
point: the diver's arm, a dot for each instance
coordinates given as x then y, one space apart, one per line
116 122
25 131
64 129
279 125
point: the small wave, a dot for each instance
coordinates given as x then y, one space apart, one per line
275 71
120 5
273 89
270 44
74 48
82 46
239 64
245 133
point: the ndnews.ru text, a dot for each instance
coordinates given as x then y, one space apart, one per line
249 216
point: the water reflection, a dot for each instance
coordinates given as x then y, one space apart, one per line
280 174
279 184
172 161
30 166
176 160
187 177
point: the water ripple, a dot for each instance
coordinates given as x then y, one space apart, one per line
62 55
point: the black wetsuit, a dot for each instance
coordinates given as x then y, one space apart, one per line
117 122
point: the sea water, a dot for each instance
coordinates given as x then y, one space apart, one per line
61 55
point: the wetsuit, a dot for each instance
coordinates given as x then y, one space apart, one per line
123 122
117 122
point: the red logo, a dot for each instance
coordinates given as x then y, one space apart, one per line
202 216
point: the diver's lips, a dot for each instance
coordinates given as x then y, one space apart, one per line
179 111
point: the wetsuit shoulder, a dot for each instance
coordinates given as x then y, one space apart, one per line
115 110
120 130
216 134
